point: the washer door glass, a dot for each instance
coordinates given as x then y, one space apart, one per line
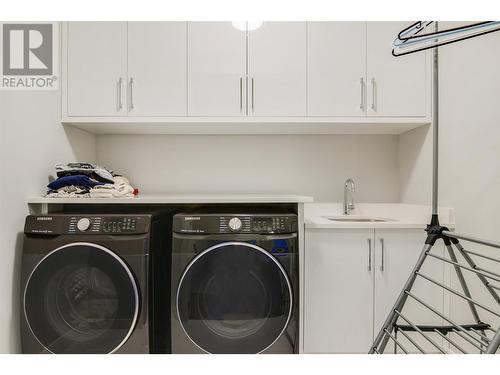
234 298
81 298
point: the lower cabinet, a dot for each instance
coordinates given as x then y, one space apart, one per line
352 279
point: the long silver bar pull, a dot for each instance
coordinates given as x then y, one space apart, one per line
362 94
382 250
252 94
241 94
120 104
374 95
369 254
131 93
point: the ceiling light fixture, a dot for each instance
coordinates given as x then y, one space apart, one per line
247 25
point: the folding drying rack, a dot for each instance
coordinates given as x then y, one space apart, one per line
450 337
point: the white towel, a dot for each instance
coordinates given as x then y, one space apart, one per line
69 192
120 189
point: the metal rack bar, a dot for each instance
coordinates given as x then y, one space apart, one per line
494 344
442 316
435 129
458 294
487 271
485 338
481 255
381 339
396 341
419 331
451 342
442 328
479 347
463 284
482 278
464 267
478 240
412 341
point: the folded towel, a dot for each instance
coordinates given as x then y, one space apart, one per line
120 189
69 192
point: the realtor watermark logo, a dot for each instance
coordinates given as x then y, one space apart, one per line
29 58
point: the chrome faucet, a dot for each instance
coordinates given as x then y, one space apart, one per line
349 190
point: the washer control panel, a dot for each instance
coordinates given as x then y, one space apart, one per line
98 224
235 223
258 224
274 224
87 224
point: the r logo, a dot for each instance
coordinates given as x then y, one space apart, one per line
27 49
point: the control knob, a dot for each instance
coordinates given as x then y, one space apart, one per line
83 224
235 224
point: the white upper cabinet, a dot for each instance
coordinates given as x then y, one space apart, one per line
277 69
338 316
397 86
97 68
315 78
156 69
336 68
216 69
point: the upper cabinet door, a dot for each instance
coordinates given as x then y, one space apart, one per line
277 69
336 68
397 86
216 69
97 68
156 69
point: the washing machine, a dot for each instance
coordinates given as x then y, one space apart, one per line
87 283
235 283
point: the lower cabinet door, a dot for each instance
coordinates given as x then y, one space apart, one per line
338 315
396 253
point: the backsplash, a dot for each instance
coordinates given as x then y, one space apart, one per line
314 165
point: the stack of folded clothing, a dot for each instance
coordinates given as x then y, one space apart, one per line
85 180
120 188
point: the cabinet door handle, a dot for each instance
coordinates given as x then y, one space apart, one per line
119 86
252 94
374 95
362 95
369 254
131 93
382 252
241 94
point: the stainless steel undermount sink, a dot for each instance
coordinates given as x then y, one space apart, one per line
358 219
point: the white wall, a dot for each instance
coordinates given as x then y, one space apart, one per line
469 166
32 139
314 165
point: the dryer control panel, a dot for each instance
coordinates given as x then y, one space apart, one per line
87 224
235 223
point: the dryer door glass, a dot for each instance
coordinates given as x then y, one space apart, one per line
81 298
234 298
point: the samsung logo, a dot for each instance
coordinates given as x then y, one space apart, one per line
44 218
192 218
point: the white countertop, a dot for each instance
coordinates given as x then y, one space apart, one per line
177 198
401 215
